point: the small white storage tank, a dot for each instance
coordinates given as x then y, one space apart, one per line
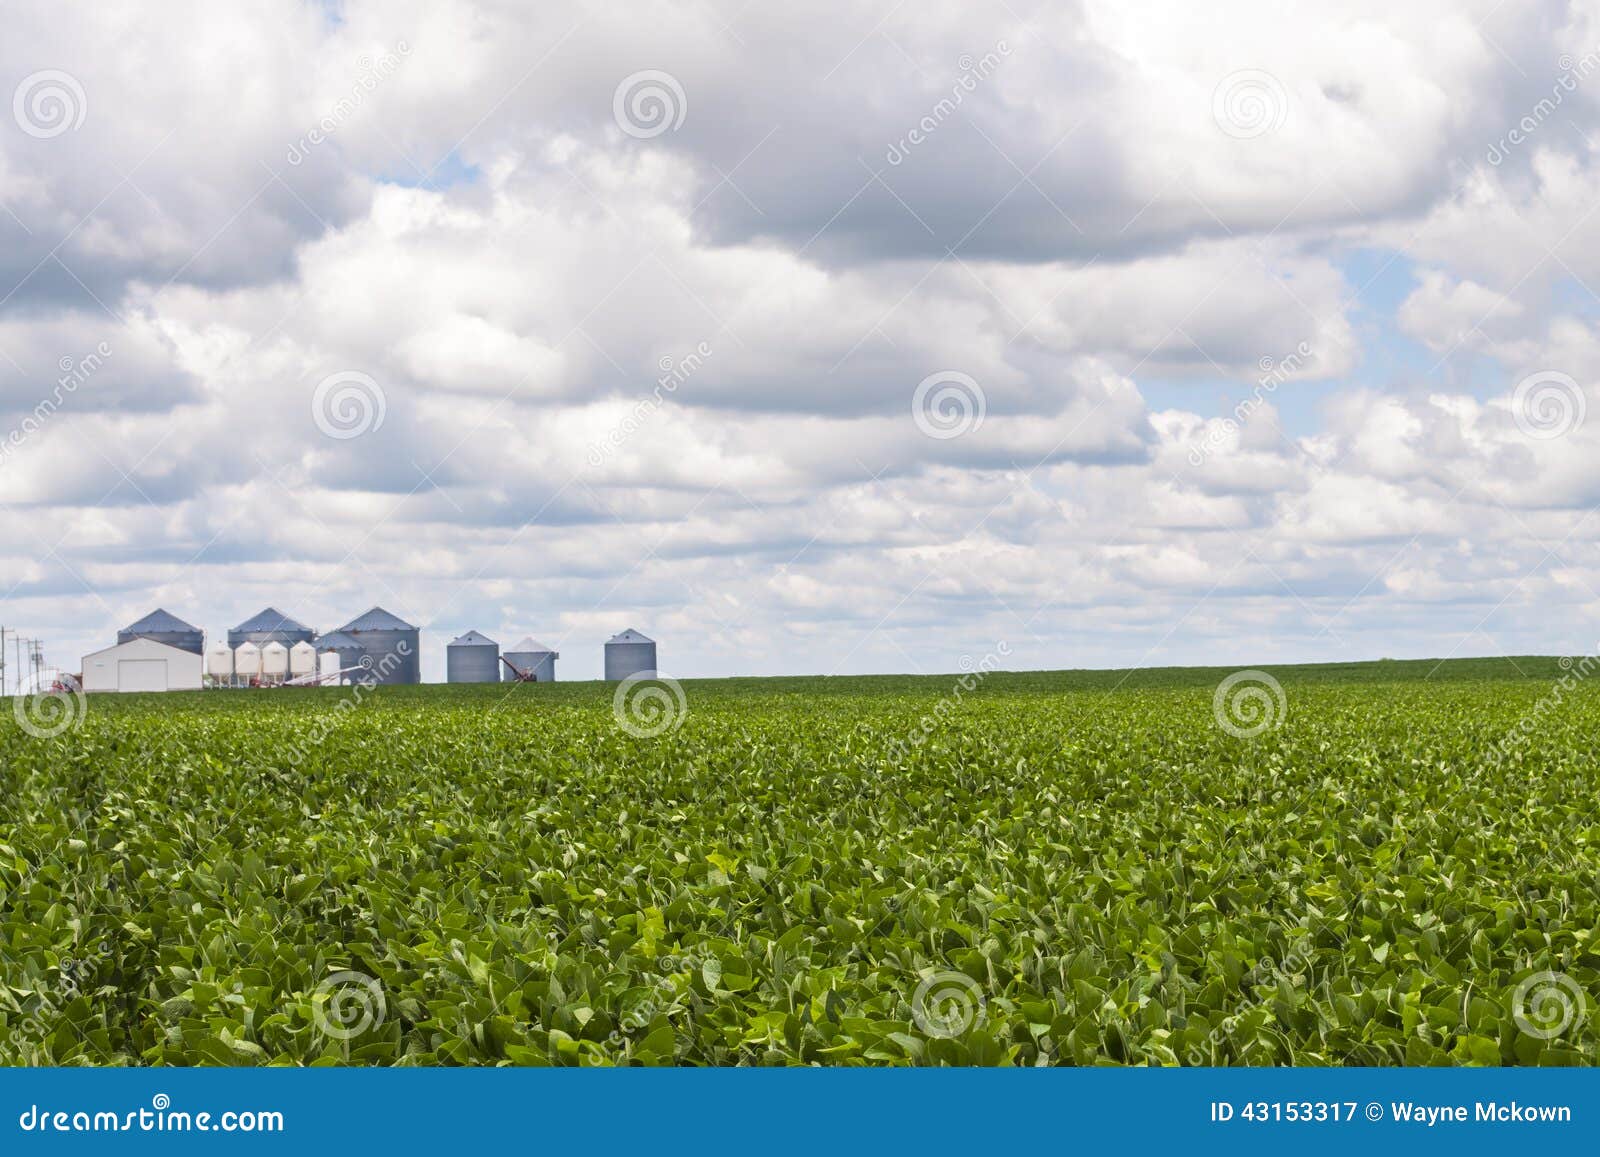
328 667
302 659
274 661
247 662
219 662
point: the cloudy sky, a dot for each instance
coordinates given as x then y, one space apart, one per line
824 338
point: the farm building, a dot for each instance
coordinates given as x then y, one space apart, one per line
472 658
270 625
392 644
165 628
346 651
219 664
247 662
532 660
142 664
629 653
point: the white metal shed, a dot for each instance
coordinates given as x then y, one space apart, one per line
142 665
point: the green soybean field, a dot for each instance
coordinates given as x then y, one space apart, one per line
1370 864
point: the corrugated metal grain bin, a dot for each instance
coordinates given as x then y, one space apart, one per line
390 647
629 653
165 628
532 658
270 625
472 658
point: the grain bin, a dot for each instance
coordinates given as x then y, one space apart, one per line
270 625
390 647
219 663
246 662
345 651
533 659
165 628
302 660
472 658
629 653
328 668
274 662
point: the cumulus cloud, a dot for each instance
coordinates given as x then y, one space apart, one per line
1123 336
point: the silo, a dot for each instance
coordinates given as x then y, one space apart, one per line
328 668
345 651
392 645
629 653
302 659
531 657
246 662
472 658
274 662
219 663
165 628
270 625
